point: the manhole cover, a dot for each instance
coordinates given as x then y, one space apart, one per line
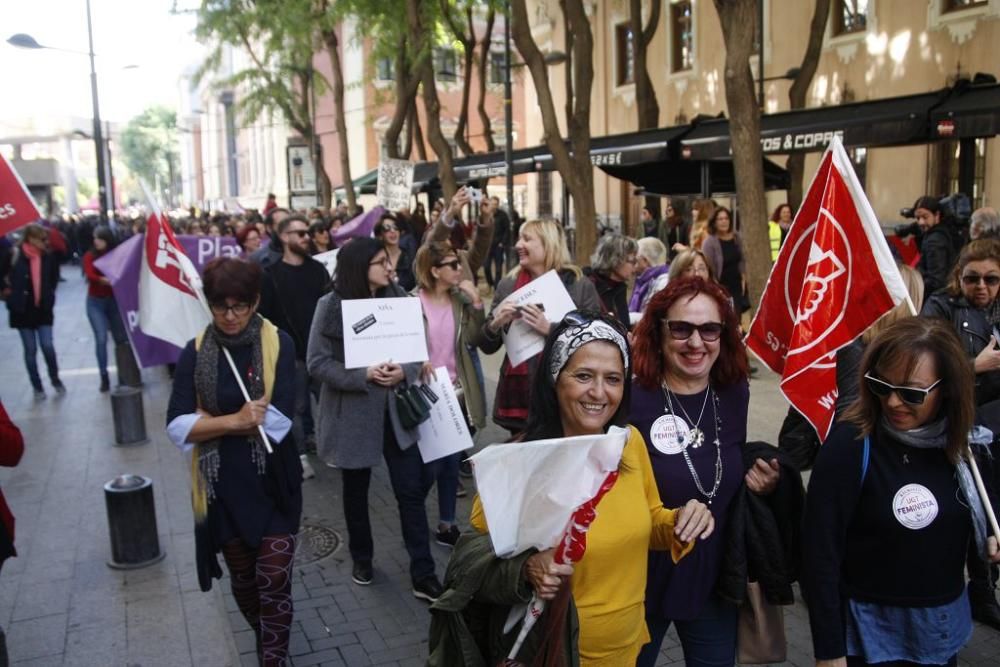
315 543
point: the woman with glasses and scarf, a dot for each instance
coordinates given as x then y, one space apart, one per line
453 315
594 615
247 502
689 402
892 506
358 423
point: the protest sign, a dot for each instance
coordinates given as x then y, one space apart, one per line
328 259
529 490
381 330
521 341
395 181
17 208
445 432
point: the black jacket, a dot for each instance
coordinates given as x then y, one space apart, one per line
612 293
763 535
938 251
974 330
24 314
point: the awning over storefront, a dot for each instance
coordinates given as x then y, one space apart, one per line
893 121
489 165
692 177
972 110
364 184
628 149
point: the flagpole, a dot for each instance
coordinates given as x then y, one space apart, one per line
990 514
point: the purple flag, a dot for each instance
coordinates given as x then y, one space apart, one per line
359 226
121 267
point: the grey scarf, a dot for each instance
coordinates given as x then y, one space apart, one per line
206 377
935 436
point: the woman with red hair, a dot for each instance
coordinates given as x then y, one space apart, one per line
689 401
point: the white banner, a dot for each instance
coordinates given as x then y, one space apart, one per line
377 331
328 259
395 181
523 342
445 432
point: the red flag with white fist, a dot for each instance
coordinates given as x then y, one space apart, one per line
17 208
834 278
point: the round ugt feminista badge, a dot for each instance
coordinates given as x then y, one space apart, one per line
914 506
670 434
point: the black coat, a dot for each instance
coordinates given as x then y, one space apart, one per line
763 535
973 330
23 313
938 252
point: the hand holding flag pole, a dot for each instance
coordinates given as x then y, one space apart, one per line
187 285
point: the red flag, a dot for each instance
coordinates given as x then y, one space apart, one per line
17 208
833 279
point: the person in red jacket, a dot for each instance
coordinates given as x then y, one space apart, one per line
11 449
102 310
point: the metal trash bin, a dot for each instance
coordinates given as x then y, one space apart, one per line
128 415
129 374
132 522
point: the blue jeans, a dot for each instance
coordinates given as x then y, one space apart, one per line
44 339
103 315
411 480
708 641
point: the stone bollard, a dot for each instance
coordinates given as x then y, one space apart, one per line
129 374
132 522
129 418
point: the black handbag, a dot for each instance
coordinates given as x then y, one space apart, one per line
412 406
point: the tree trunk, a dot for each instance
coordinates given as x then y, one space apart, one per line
343 145
432 105
481 70
645 96
575 169
418 137
468 41
737 18
797 95
407 83
408 135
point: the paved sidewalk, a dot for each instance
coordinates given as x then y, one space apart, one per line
61 605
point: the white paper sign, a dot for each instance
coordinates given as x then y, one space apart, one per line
529 490
523 342
445 432
395 181
328 259
381 330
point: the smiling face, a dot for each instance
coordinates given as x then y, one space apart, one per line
979 293
252 242
690 361
904 416
697 269
590 388
530 251
785 215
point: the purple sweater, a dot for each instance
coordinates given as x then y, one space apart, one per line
679 592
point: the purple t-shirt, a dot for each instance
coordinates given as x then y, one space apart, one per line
679 592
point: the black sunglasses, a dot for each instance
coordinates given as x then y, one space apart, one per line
909 395
681 330
454 265
581 318
298 232
991 280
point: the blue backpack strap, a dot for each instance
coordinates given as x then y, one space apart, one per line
864 459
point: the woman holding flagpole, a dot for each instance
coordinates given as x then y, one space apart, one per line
595 610
247 502
689 401
892 505
541 247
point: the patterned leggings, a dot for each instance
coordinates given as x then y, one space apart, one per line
262 586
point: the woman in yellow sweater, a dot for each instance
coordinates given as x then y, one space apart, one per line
581 388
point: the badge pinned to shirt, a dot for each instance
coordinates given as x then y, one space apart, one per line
670 434
914 506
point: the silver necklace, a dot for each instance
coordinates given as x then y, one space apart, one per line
709 495
695 436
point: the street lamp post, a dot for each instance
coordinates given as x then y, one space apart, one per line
24 41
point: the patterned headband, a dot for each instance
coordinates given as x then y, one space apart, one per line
573 338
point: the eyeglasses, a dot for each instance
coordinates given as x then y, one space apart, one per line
909 395
385 261
238 309
991 280
454 265
298 232
681 330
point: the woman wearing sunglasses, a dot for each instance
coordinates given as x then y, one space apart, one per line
892 506
453 316
247 503
387 230
689 402
594 613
